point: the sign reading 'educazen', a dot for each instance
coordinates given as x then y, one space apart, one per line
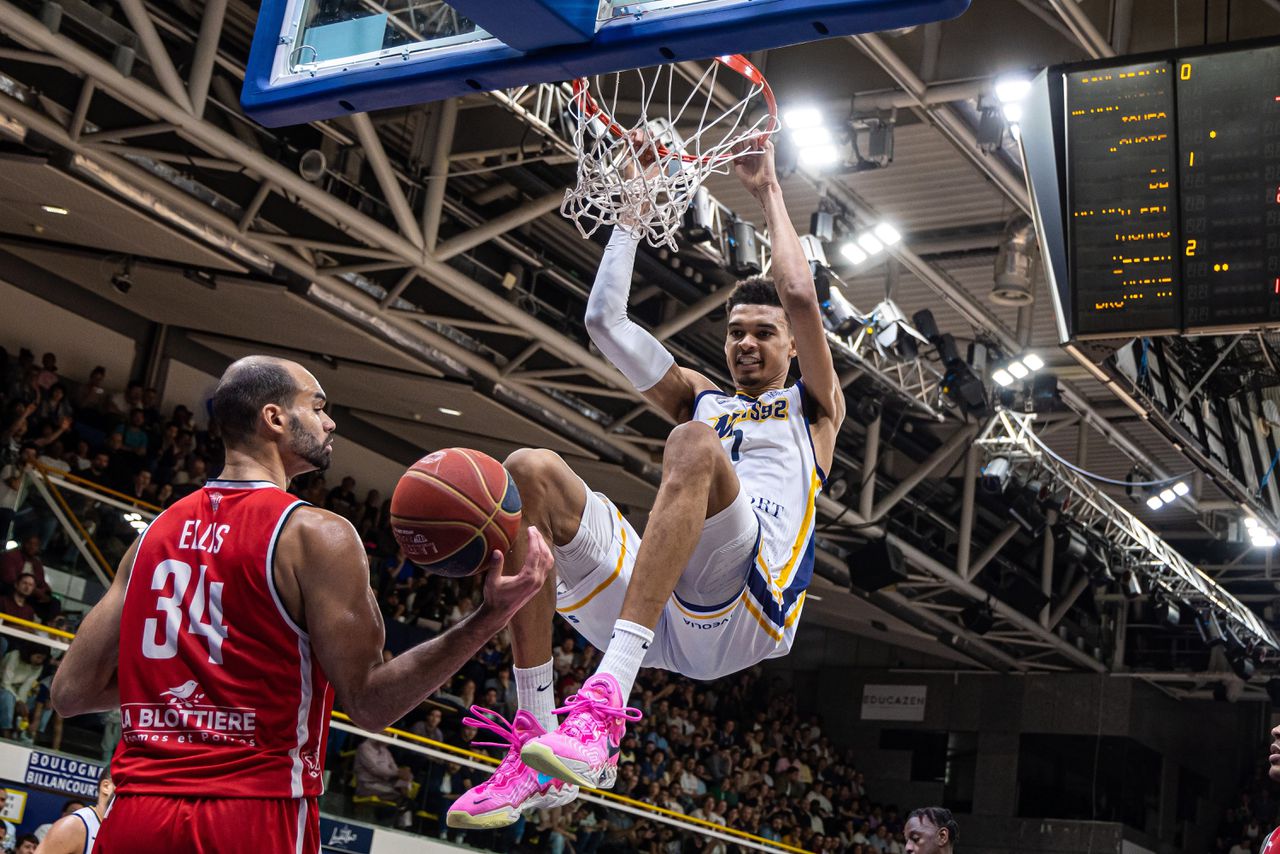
893 702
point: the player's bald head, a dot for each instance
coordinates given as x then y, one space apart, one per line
247 386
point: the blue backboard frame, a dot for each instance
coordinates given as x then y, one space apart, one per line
679 33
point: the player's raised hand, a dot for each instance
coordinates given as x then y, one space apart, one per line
753 164
507 594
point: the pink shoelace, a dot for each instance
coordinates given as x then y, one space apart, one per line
482 718
590 716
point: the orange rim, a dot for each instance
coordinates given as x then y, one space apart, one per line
734 62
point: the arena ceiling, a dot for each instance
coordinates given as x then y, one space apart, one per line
412 291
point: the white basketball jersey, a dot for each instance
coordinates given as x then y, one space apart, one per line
768 441
91 825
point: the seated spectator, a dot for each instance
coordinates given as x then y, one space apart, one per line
342 499
377 773
125 402
16 603
27 844
192 477
92 398
429 726
141 489
133 433
25 560
19 676
54 408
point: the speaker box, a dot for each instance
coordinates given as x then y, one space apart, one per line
877 564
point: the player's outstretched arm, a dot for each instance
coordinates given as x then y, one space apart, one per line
66 836
323 555
794 282
640 357
86 679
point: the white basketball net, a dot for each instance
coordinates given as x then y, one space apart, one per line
683 144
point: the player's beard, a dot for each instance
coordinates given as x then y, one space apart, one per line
314 451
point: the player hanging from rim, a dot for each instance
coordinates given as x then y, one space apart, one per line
719 582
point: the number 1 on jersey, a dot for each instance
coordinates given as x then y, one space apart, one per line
737 443
205 597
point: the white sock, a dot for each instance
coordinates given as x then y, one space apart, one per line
627 647
536 695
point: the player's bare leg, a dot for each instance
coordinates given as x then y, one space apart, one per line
698 481
552 497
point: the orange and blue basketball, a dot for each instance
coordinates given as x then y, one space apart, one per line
452 509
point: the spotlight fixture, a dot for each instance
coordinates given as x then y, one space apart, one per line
802 118
812 139
1132 585
851 252
994 476
887 233
1167 495
56 210
744 256
1012 89
867 244
1210 629
1006 373
1011 92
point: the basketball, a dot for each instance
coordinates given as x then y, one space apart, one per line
452 509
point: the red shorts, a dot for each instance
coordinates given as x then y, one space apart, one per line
156 824
1271 845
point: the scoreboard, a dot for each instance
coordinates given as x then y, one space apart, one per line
1164 175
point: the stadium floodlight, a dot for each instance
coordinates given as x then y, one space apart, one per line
1002 377
1012 89
811 137
1250 523
1180 488
1168 496
851 251
1155 502
870 243
887 234
819 155
1018 370
802 118
1032 361
1012 113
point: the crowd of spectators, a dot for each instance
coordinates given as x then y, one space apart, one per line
735 753
1251 816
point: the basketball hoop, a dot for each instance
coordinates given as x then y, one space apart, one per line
650 186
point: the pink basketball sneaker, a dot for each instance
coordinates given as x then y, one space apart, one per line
584 750
514 787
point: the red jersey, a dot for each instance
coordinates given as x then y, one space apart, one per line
219 693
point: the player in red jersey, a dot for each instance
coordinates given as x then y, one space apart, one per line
1271 845
230 625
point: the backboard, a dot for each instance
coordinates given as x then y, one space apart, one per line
315 59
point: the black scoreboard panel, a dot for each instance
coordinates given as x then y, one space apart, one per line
1120 168
1172 193
1229 167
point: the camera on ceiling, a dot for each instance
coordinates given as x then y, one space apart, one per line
122 281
